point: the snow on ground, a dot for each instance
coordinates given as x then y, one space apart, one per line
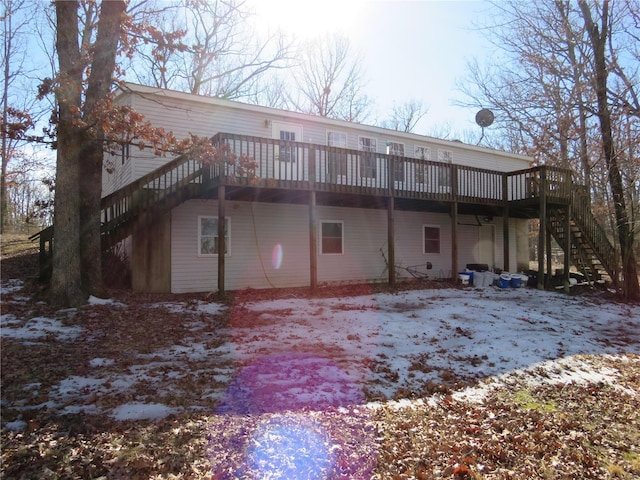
287 354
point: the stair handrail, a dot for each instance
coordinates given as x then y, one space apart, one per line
593 231
159 183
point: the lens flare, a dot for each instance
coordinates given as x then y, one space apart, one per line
289 447
276 256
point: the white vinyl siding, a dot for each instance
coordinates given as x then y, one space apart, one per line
183 114
270 247
274 241
364 234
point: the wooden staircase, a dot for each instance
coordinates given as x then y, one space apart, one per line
591 251
139 204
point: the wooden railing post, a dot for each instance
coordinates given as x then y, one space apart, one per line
454 181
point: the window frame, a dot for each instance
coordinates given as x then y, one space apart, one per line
371 147
424 239
321 251
227 242
445 156
425 150
331 143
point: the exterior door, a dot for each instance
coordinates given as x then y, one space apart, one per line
286 155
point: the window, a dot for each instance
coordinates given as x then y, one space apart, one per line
396 148
331 238
336 161
368 167
422 153
337 139
368 144
445 156
444 173
208 236
287 152
431 239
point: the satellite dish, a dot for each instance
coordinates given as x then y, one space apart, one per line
484 117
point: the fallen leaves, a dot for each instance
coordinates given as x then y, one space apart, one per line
518 430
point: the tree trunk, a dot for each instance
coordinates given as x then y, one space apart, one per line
99 88
625 231
66 284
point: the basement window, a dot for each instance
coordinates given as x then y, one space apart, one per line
208 236
431 238
331 238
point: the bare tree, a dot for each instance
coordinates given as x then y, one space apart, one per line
269 91
329 81
206 48
549 96
18 116
406 116
599 36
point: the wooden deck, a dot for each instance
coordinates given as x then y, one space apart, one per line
262 169
276 164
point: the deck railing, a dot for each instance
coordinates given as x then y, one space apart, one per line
303 165
553 182
593 232
123 204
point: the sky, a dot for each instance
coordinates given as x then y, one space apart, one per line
411 49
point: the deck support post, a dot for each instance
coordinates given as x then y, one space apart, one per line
542 233
505 224
549 268
454 241
221 239
454 223
391 241
505 238
567 247
391 238
313 242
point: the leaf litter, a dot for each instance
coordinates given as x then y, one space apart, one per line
351 383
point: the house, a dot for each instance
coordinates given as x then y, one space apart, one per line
325 202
